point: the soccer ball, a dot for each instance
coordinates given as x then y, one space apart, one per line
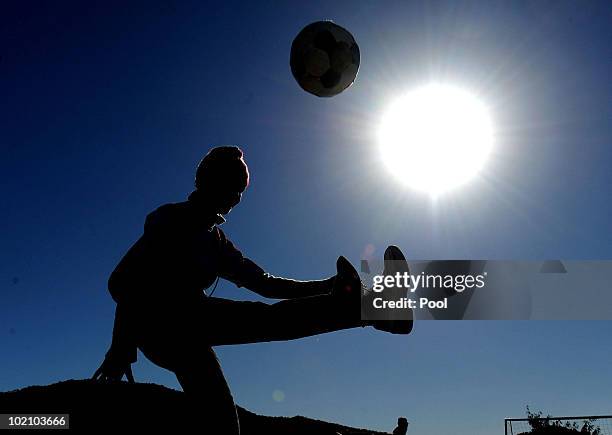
324 59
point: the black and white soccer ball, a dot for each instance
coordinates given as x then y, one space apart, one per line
324 59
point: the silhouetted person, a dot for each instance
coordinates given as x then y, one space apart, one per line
402 426
163 311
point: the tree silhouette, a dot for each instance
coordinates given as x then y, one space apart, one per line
548 425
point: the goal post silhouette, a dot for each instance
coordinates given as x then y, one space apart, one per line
574 425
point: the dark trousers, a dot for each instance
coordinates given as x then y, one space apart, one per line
180 338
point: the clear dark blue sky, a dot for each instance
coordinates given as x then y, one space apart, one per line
105 111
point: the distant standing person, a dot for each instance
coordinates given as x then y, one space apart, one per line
402 426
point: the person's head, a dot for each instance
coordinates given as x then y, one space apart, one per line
221 177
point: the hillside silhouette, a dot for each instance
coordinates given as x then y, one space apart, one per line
111 406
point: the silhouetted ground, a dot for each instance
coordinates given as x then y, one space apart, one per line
98 406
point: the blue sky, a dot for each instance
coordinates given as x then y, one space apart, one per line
105 111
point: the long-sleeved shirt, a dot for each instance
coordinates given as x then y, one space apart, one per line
181 252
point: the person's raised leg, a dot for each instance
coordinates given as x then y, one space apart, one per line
237 322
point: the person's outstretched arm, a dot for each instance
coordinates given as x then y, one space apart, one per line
245 273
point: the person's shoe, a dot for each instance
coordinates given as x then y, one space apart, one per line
349 290
355 297
347 284
396 320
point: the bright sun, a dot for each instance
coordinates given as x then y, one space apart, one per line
435 138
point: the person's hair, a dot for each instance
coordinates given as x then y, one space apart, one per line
222 160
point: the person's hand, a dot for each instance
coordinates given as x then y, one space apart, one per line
114 367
